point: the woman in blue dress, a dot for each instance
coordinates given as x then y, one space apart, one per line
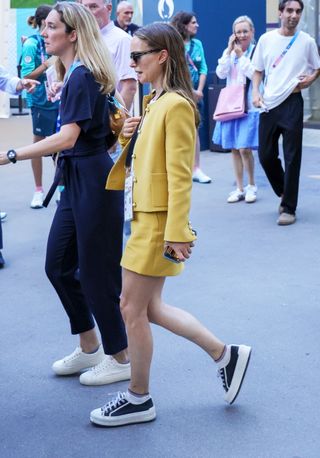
240 135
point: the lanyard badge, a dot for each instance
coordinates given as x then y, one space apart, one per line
128 196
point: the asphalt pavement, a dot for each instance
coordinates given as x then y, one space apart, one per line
249 280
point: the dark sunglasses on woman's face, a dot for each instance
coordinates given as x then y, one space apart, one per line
136 56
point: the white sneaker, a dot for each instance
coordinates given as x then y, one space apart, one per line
200 177
235 196
108 371
77 361
3 215
251 193
37 200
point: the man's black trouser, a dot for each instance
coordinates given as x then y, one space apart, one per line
286 120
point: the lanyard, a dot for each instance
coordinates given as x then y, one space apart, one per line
73 66
189 58
284 52
43 53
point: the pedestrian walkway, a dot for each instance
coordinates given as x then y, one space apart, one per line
248 279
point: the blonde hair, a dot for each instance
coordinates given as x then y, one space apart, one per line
90 48
160 35
243 19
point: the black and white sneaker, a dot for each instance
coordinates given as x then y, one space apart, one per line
233 373
120 412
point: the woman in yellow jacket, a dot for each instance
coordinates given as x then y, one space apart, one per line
155 169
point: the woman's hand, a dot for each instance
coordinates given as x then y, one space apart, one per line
3 158
27 84
182 249
237 49
54 90
129 126
257 99
231 43
198 95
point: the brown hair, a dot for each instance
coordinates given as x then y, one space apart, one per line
41 13
160 35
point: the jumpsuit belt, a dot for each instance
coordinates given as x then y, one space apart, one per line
61 165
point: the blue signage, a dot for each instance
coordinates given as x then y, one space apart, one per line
163 10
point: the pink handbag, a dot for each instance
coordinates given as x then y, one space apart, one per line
231 103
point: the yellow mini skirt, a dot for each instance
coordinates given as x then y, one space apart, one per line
143 253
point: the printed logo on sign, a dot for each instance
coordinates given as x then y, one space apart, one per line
165 9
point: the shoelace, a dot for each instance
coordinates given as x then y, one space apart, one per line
73 355
119 400
105 363
221 374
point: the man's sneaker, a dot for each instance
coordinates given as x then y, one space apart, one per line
285 219
251 193
235 196
37 200
3 215
77 361
2 263
200 177
108 371
233 373
120 412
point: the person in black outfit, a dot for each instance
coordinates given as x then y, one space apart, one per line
87 228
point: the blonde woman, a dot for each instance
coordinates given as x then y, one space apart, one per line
240 135
87 228
160 168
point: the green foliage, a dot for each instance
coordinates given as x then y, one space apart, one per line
30 3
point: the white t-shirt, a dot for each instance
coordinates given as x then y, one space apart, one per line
118 44
301 58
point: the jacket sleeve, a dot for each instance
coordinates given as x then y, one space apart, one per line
224 65
180 133
246 66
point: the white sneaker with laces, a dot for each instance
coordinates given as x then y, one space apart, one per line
235 196
108 371
200 177
77 361
37 200
3 215
251 193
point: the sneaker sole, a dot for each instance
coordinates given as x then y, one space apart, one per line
140 417
107 380
239 373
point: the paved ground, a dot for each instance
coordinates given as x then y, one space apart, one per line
249 280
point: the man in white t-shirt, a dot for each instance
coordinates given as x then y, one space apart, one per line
291 62
118 43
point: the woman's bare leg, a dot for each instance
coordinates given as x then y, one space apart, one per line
248 163
140 303
238 168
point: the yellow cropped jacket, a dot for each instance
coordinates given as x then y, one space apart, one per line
163 159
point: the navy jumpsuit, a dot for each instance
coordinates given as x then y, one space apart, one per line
86 231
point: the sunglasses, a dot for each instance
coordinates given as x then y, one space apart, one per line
136 56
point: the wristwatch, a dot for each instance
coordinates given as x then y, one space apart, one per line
12 156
